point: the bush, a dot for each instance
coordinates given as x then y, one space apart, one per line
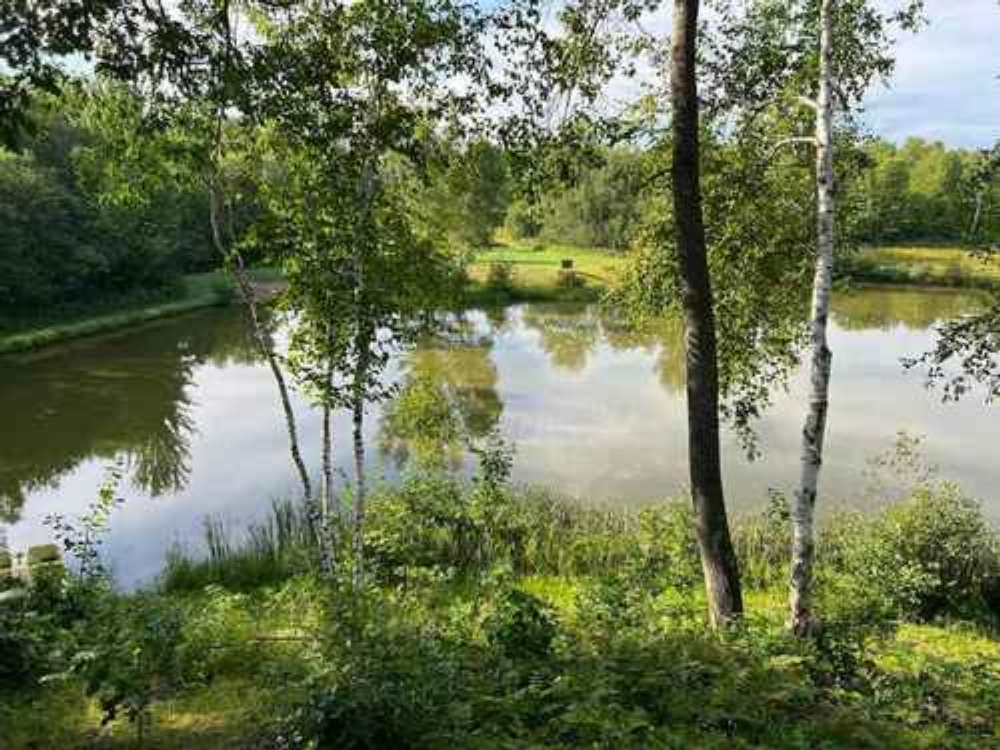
927 556
500 276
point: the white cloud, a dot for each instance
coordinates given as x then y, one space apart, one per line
947 81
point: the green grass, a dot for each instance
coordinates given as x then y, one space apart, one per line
925 265
938 684
194 291
536 272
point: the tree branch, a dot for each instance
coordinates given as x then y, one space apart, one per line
790 141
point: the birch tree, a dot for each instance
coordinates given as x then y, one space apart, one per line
814 431
360 92
820 57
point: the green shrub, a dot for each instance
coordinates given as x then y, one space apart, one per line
521 626
500 276
932 554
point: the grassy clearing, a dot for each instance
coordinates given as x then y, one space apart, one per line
193 292
926 265
536 272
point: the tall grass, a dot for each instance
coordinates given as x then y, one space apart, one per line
946 561
267 552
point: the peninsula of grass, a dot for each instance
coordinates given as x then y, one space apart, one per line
536 271
539 272
192 292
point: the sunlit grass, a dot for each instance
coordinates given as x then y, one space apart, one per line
951 266
538 264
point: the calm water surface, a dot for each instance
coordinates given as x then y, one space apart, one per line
594 412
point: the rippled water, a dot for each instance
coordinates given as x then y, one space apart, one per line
594 412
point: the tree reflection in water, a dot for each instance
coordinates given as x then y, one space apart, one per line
447 399
120 396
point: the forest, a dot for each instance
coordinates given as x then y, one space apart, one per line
67 244
445 248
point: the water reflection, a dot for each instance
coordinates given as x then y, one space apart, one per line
447 398
125 396
594 409
885 308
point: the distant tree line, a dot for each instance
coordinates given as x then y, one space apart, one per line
920 191
923 191
83 220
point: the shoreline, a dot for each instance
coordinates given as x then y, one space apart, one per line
535 280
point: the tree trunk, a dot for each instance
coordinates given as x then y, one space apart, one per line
358 409
328 522
804 503
262 338
721 571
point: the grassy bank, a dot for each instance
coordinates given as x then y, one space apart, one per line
502 619
194 291
924 266
536 270
536 273
533 273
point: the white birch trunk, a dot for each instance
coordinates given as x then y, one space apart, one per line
262 338
366 190
359 490
804 503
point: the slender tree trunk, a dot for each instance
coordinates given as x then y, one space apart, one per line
262 337
328 521
358 414
364 335
326 491
721 571
804 504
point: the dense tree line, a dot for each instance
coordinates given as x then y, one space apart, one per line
924 191
920 191
62 243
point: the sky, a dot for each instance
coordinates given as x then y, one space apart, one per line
947 81
946 86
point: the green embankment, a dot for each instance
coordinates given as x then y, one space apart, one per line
194 291
535 269
924 266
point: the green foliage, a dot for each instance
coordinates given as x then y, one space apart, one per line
602 208
86 213
521 626
930 555
758 258
470 198
500 276
924 191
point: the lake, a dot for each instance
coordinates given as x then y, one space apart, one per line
593 411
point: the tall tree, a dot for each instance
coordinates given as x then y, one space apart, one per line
814 431
721 571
